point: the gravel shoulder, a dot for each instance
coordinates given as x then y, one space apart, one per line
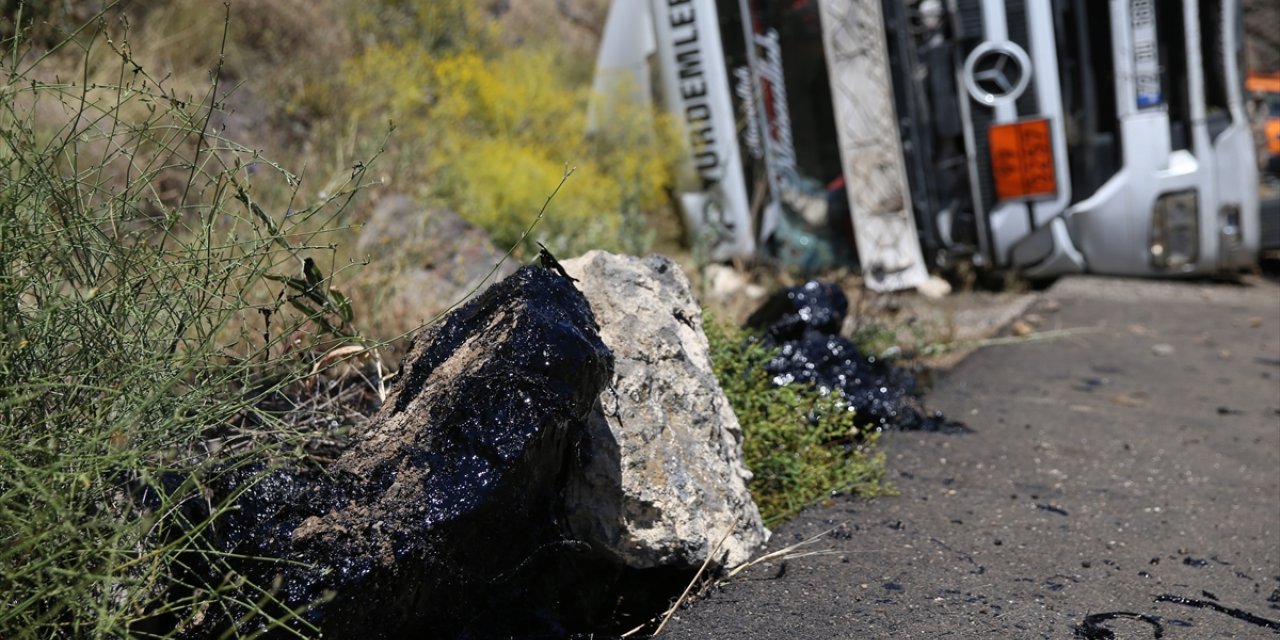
1136 459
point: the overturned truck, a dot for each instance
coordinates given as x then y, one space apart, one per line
907 135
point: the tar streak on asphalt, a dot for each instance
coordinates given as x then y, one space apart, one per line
1092 628
1238 614
1052 509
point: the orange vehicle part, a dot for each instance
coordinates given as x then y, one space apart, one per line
1263 82
1022 159
1272 130
1268 84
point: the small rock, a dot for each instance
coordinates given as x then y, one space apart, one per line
444 517
1131 399
934 288
1162 349
725 282
1021 328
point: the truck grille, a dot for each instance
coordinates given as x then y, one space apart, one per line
1020 33
982 118
969 20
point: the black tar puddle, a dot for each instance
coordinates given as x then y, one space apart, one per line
804 324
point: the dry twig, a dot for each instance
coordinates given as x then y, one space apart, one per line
679 601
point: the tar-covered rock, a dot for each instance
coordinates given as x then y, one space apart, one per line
444 518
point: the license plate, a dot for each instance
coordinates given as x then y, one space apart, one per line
1146 58
1022 159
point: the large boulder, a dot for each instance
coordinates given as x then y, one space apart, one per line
518 481
444 518
664 483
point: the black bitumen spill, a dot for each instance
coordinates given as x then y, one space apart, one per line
804 324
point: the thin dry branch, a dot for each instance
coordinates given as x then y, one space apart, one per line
688 588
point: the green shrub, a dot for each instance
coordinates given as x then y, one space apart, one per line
800 445
146 298
496 126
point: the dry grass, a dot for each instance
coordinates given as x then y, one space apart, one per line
144 287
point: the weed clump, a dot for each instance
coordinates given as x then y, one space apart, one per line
800 444
491 126
154 319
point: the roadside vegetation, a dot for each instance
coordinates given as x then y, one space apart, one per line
169 295
154 314
801 445
496 126
485 121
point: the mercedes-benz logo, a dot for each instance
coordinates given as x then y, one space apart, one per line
996 72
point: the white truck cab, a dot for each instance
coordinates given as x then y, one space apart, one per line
1046 137
1152 148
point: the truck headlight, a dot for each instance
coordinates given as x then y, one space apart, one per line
1175 230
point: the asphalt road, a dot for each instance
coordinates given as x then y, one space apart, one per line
1108 470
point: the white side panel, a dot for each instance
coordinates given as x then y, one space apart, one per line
1238 169
622 65
695 88
1044 59
870 148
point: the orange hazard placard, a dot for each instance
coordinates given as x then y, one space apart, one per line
1022 159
